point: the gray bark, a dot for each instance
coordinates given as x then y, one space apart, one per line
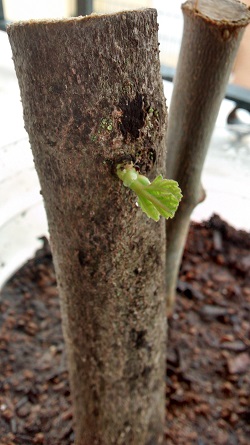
87 85
211 37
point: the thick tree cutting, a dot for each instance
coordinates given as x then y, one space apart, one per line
211 37
87 85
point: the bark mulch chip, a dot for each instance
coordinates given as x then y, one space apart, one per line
208 366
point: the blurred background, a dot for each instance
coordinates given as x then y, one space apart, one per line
169 17
226 171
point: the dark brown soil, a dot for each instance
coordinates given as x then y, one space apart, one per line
208 369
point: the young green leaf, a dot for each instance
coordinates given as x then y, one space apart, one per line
160 197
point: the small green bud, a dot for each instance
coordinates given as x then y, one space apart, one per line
161 197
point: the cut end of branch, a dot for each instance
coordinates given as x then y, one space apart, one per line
225 11
72 20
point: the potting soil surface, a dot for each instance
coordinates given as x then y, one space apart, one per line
208 365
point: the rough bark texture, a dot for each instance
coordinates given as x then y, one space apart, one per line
211 37
87 85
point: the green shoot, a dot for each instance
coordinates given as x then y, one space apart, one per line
160 197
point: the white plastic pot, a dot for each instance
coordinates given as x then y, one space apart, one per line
22 216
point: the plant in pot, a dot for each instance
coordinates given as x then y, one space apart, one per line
95 113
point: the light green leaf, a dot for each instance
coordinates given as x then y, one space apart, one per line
161 197
148 208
